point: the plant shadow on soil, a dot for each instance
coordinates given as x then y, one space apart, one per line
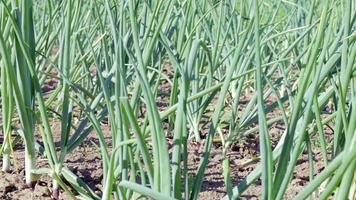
85 162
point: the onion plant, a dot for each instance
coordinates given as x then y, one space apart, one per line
7 102
19 78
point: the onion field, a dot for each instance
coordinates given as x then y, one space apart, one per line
178 99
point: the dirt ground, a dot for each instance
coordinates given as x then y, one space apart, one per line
86 163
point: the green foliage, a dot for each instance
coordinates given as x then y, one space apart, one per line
229 68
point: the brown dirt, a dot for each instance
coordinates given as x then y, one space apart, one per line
12 187
85 162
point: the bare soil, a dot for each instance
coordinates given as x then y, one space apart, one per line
85 162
